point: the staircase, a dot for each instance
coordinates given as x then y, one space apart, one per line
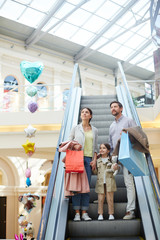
118 229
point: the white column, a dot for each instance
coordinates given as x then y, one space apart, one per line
58 95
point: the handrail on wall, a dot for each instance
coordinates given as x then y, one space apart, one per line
148 156
47 206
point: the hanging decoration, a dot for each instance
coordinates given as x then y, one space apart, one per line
17 238
29 147
31 91
30 131
29 201
28 175
32 106
31 71
26 228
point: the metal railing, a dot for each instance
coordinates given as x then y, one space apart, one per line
51 186
148 188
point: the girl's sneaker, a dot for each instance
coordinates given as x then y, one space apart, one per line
111 217
100 217
77 217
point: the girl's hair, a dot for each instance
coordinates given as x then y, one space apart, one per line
88 110
106 145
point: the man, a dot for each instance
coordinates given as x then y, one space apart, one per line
115 131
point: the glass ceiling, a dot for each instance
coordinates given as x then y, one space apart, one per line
119 28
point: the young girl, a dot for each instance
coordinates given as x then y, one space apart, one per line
106 184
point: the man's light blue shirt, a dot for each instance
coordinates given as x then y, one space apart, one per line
116 129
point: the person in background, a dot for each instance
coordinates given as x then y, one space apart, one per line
106 184
86 135
115 131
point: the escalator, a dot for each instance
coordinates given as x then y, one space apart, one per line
56 222
117 229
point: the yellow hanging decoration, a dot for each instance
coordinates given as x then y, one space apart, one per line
28 147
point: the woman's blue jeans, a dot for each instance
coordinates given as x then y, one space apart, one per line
81 200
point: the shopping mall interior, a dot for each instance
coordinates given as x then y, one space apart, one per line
45 48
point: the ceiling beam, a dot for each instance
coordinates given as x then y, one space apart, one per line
37 37
82 52
44 21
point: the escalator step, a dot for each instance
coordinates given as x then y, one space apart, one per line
106 228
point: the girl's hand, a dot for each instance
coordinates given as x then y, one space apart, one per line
115 166
93 164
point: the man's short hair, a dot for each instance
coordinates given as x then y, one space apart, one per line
119 104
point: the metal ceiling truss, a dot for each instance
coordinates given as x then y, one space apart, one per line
55 8
91 51
81 54
37 34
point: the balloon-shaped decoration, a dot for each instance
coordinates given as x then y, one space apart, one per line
28 147
31 71
16 237
32 106
28 173
28 182
31 91
30 153
21 236
29 201
30 131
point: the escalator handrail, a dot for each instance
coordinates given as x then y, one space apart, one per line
46 210
136 118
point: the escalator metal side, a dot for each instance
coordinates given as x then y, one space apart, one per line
59 207
145 195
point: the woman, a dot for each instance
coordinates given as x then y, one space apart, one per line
86 135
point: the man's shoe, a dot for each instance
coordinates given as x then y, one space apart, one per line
111 217
100 217
129 215
85 217
77 217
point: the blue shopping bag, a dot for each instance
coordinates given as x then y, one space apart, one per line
132 159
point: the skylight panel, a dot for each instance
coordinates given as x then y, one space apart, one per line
126 19
65 8
82 37
110 48
150 49
122 2
145 30
135 41
42 5
26 2
65 31
138 58
99 43
108 10
74 2
31 17
11 10
138 6
148 64
144 9
124 37
92 6
79 17
94 24
1 2
122 52
113 31
50 23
